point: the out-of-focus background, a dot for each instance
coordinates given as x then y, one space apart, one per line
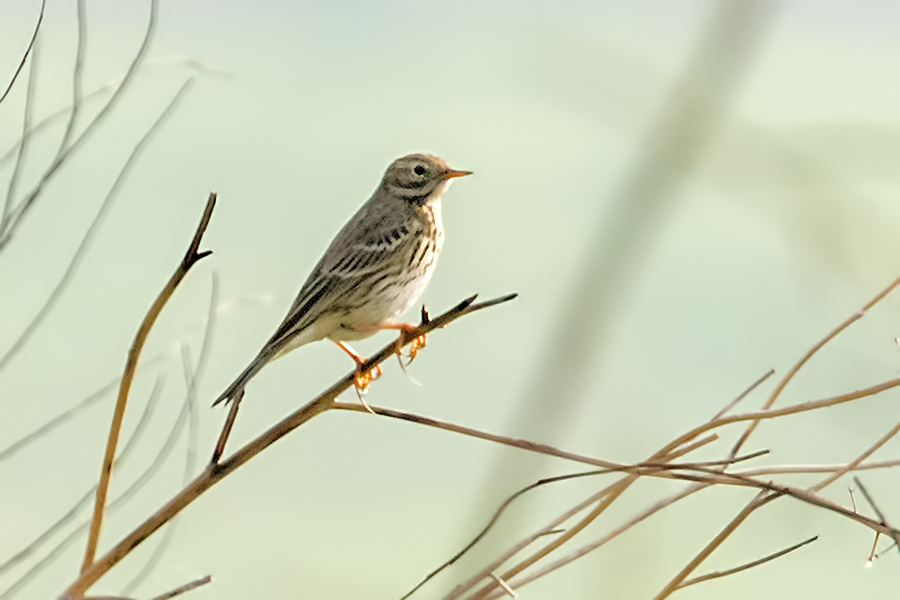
683 194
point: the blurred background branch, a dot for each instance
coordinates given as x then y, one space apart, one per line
612 259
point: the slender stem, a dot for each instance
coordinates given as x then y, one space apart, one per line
749 565
762 498
226 429
550 527
809 354
744 394
34 35
854 464
91 232
190 258
891 531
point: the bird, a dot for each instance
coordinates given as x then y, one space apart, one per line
374 270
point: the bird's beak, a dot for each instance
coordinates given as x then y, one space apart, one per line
451 174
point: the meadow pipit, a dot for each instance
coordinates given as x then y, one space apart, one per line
374 270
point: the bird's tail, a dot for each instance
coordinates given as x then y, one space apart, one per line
249 373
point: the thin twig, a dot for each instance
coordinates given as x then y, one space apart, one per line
165 450
506 588
854 464
809 354
76 76
891 532
219 450
95 94
743 394
92 229
185 588
749 565
789 410
459 590
19 212
23 147
761 499
821 485
190 258
810 469
192 377
716 477
872 554
586 549
73 511
63 417
649 468
34 35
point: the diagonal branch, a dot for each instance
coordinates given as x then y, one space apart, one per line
190 258
34 35
23 147
214 473
20 210
749 565
893 533
809 354
93 228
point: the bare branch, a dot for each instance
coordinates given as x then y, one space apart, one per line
190 258
23 147
744 394
56 421
76 77
185 588
640 517
749 565
215 473
57 550
92 230
459 590
192 377
19 212
809 469
809 354
648 468
98 92
34 35
761 499
892 532
70 515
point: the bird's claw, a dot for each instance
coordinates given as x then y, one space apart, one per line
362 380
416 344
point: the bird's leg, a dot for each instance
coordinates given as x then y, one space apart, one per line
362 379
415 344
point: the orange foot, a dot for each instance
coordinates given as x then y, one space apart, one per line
415 344
361 379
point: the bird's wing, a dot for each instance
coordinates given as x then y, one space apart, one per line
342 268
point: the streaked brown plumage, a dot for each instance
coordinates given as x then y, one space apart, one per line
375 268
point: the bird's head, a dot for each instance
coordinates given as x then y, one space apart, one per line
419 178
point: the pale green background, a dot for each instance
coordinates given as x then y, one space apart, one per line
786 227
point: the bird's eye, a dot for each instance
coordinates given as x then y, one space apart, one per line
419 170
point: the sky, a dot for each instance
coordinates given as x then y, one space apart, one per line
776 227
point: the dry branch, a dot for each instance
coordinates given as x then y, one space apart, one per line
25 54
216 472
749 565
191 257
19 211
93 228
